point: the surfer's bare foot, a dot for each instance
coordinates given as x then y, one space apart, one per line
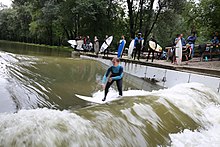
103 99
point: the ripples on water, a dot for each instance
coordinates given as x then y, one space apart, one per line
179 116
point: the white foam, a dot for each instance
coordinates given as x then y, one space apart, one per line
62 128
203 107
44 127
198 138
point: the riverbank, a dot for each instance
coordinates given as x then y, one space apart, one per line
61 48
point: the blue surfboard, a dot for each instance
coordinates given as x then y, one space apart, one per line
120 48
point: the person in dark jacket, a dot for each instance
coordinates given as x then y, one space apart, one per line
138 45
191 40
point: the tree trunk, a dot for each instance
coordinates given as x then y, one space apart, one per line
147 26
131 18
141 15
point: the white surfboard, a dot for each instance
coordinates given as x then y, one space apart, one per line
79 45
153 44
112 96
97 100
73 46
72 42
131 48
98 96
106 44
178 52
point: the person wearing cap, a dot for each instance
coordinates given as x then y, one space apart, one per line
138 45
114 73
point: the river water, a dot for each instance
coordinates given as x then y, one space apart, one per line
38 106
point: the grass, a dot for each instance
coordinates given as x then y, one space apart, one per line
61 48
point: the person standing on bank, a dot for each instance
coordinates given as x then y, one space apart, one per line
114 73
138 45
178 50
96 45
106 51
191 40
151 50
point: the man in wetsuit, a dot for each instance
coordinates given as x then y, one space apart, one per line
138 45
115 73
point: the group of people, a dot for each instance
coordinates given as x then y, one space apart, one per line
183 50
138 45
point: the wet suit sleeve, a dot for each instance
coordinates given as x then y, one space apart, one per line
120 74
104 79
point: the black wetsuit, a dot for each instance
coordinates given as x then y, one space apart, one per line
152 50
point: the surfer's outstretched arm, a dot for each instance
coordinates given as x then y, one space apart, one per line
104 79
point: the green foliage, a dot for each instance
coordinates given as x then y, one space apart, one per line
53 22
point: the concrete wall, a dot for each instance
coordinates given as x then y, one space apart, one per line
164 77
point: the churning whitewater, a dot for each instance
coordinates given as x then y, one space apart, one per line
185 115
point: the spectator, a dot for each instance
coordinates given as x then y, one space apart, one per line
152 50
187 53
215 42
191 40
183 40
178 50
96 45
122 39
138 45
106 50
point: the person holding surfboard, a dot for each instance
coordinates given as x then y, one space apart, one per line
151 50
114 73
121 46
191 40
106 51
178 50
138 45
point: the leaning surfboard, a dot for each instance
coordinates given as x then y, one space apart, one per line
106 44
79 45
120 48
131 48
152 46
72 42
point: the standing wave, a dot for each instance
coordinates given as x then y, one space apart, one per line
163 117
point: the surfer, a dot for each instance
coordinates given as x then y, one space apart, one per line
151 50
116 74
138 45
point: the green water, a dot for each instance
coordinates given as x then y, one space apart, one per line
36 78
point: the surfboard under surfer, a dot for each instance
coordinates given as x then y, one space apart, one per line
114 73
